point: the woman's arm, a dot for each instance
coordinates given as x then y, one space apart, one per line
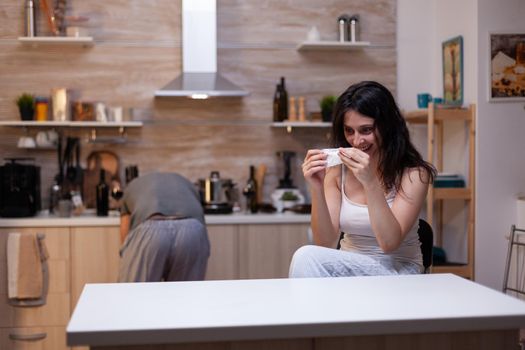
323 189
326 206
391 225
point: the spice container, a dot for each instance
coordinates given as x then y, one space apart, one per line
342 25
354 28
42 108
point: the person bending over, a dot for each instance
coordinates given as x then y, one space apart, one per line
162 230
374 197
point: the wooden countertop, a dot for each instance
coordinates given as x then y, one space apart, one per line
90 219
176 312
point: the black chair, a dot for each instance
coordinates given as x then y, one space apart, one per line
426 238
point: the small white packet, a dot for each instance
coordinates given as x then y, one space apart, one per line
333 158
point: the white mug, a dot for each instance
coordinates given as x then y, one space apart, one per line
115 114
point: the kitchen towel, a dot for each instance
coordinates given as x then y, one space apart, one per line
26 266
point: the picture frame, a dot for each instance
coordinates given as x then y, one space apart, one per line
452 55
506 67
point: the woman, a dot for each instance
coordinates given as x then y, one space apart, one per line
374 196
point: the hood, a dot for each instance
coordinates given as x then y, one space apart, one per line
199 78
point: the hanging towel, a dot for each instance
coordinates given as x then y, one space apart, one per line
26 254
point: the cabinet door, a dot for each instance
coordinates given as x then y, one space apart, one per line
94 257
56 311
34 338
223 263
266 250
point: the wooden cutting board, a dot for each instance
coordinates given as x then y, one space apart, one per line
97 160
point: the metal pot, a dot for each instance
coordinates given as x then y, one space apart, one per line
214 190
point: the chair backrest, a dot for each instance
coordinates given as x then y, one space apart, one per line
426 239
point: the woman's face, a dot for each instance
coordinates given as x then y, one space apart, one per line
360 132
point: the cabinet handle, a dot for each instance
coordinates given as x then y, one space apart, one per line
28 337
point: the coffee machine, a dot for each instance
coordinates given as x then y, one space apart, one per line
19 188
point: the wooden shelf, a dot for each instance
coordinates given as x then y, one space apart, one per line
290 125
68 124
56 40
420 116
460 270
332 45
301 124
452 193
434 117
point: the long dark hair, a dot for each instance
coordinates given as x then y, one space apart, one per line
396 151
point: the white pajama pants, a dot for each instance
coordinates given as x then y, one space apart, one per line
316 261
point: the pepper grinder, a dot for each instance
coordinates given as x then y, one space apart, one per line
342 24
354 28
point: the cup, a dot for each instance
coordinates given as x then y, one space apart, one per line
438 100
26 142
423 100
115 114
313 34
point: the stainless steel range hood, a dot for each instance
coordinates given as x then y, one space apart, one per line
199 78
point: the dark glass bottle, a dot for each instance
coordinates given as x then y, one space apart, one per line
283 102
102 195
277 104
250 191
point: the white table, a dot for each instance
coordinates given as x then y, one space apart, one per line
434 311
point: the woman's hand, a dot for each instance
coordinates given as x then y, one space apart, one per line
360 164
314 168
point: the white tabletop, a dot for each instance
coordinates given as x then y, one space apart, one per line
156 313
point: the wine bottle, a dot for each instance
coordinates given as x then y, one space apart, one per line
102 195
283 102
276 104
250 191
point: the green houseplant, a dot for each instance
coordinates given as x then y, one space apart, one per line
327 107
26 106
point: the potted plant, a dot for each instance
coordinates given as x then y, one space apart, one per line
327 107
289 199
26 106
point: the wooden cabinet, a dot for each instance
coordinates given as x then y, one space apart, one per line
253 250
434 118
94 257
39 327
77 255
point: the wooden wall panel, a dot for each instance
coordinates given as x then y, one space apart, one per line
138 50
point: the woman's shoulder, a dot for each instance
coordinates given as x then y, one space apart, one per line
416 174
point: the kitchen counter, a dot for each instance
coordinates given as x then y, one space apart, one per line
43 219
292 309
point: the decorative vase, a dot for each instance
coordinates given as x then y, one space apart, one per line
327 114
26 112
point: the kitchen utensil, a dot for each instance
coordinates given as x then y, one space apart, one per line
259 178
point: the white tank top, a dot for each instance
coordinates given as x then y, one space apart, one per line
354 221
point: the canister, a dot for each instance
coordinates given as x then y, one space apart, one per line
41 108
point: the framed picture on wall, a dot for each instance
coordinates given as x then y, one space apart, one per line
452 50
507 67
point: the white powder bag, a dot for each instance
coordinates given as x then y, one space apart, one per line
333 158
